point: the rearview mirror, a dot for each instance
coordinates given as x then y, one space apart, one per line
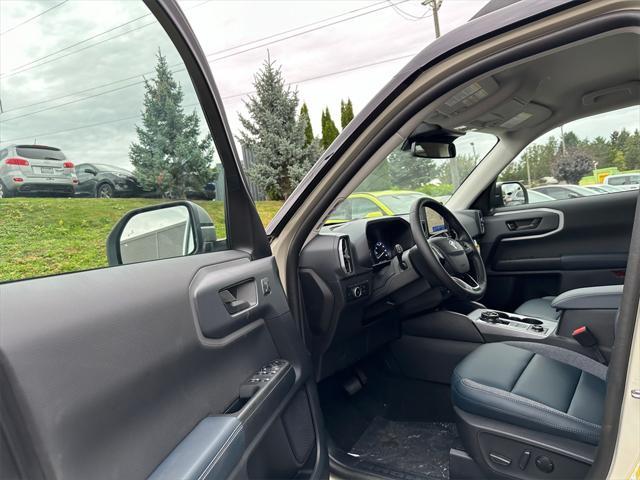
509 194
160 231
428 149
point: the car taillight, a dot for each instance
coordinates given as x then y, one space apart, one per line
18 179
17 161
67 164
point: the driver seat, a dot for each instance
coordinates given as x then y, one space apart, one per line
532 392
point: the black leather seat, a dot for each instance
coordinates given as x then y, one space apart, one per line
535 386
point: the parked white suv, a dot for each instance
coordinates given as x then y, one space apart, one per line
35 170
627 181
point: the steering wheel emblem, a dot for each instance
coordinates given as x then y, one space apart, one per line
453 244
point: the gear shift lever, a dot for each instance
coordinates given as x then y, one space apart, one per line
490 316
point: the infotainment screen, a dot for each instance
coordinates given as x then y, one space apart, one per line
435 222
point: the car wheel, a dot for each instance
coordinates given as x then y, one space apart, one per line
104 190
4 193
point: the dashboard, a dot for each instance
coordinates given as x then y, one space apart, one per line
384 237
358 281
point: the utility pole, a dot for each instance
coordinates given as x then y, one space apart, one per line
435 6
564 148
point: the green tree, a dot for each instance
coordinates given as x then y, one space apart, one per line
600 150
632 151
329 129
170 154
573 165
274 134
379 179
308 129
346 112
408 172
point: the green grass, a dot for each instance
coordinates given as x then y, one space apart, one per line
46 236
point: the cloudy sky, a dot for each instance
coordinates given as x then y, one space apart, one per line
71 72
72 76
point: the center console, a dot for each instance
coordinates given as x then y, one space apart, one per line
502 324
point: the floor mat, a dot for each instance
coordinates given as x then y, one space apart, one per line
420 448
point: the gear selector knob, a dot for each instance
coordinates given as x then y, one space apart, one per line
489 316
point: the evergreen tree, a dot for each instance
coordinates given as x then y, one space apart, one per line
632 150
346 112
169 155
274 134
329 129
408 172
308 129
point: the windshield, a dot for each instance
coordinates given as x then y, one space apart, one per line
40 153
110 168
400 203
583 190
401 178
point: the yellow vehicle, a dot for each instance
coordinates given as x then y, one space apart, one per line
373 204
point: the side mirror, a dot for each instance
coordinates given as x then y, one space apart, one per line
509 194
428 149
165 230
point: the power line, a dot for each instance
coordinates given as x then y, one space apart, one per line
34 17
406 15
301 33
20 68
315 77
330 74
312 24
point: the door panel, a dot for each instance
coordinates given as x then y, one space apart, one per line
189 367
546 249
111 371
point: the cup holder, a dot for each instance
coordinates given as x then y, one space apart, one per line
532 321
514 318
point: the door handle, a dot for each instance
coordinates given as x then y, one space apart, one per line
525 224
233 304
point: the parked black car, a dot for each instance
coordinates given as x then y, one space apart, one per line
207 192
106 181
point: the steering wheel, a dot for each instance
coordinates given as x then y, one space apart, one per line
451 255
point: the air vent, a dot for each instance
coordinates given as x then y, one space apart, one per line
344 249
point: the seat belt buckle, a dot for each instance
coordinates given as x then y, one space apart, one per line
587 339
584 337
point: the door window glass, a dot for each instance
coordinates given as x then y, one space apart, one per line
596 155
112 90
